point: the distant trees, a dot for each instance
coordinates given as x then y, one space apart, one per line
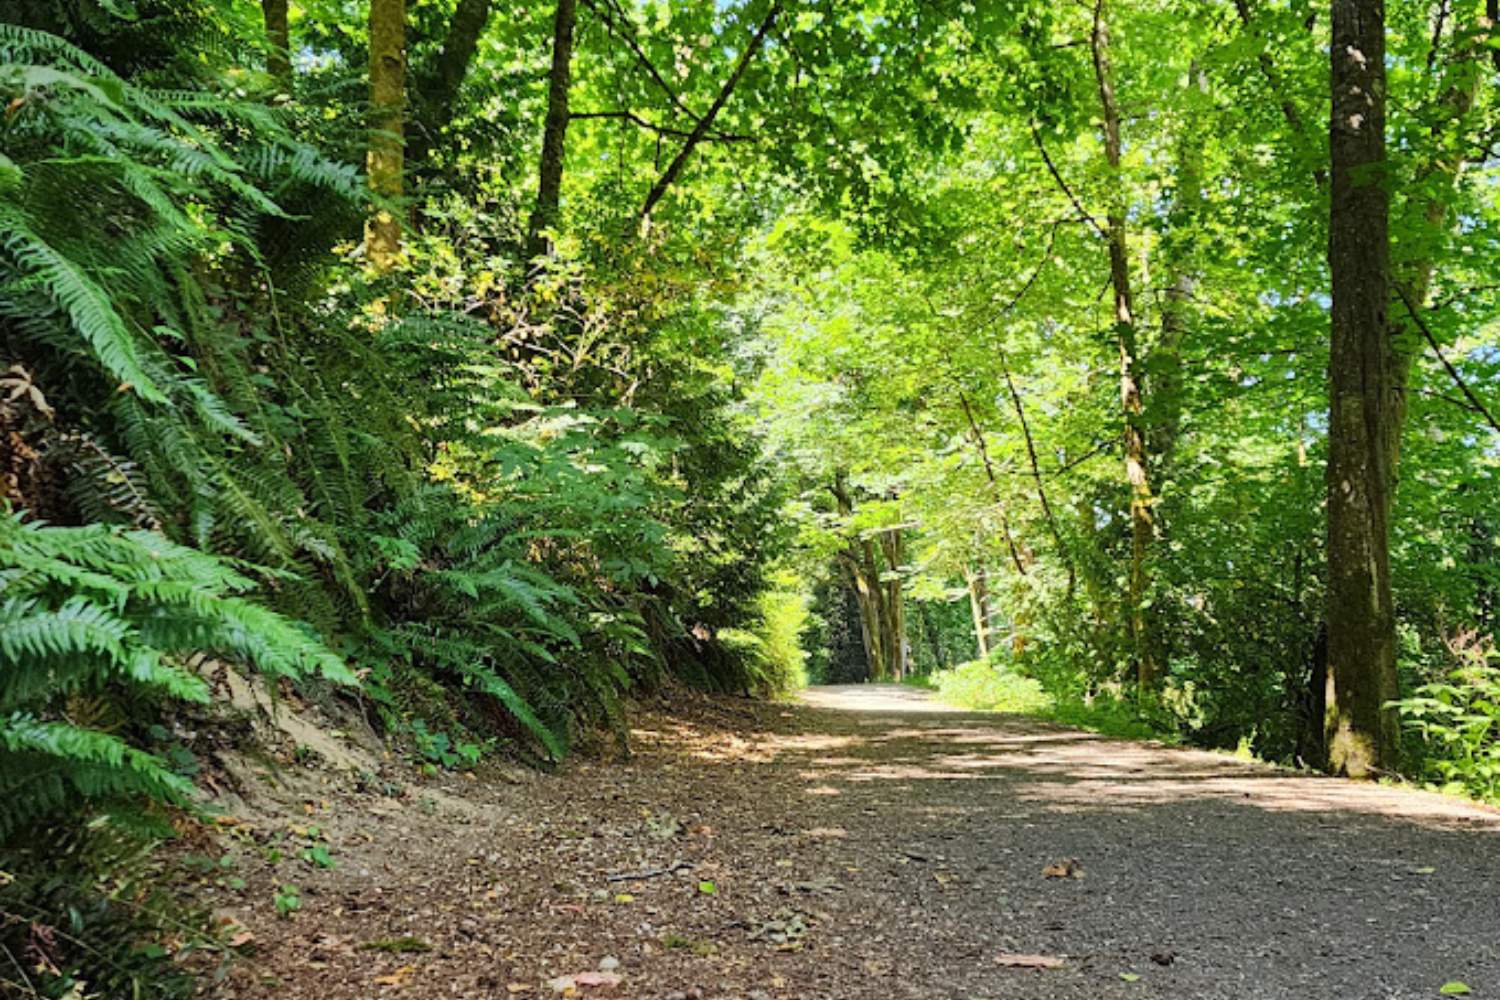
1143 195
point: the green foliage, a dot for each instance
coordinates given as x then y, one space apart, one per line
81 913
1456 720
961 372
440 749
784 622
98 615
1028 687
288 900
991 686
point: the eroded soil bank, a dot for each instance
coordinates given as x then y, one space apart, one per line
870 844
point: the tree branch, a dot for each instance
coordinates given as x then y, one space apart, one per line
1063 185
637 120
1273 79
706 122
641 57
1458 380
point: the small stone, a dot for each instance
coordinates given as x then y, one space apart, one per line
608 963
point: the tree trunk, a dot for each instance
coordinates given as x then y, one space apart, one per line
894 604
1430 210
383 162
1362 732
444 77
867 594
1184 218
930 633
882 611
278 41
979 607
555 132
1142 529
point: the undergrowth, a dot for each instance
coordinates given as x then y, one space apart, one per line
999 685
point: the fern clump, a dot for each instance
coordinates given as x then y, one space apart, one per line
102 612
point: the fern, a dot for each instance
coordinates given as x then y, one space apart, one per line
98 611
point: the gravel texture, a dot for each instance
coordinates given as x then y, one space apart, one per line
869 843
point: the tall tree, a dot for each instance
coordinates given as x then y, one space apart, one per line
872 562
1362 731
278 40
384 161
1142 526
443 78
555 131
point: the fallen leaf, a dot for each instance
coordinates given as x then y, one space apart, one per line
1455 988
1129 977
396 978
1028 961
1066 868
707 888
603 980
569 985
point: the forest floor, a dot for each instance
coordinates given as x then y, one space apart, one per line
870 843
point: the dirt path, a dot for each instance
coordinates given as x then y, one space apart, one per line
871 844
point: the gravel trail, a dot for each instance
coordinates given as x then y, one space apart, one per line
871 843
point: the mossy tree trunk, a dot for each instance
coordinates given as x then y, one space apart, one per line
278 40
1362 731
384 164
1137 474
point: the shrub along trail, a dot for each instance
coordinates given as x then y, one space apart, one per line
870 843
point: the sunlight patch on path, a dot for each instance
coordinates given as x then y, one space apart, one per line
1059 770
882 698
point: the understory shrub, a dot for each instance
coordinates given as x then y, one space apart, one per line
991 685
99 630
1456 720
772 648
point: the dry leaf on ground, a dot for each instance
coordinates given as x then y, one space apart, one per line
1028 961
1066 868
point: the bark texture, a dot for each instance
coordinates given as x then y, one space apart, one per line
384 164
1362 733
555 131
278 40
